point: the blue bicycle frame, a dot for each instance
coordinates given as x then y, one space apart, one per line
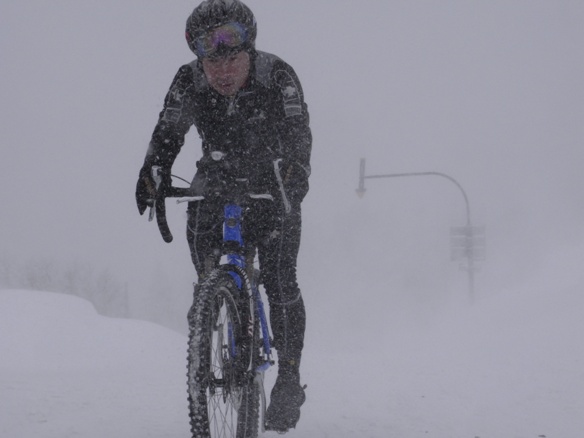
232 234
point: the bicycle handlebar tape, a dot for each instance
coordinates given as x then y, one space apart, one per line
161 220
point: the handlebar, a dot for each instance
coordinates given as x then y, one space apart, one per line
159 209
184 195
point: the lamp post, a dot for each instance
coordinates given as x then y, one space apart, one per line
466 242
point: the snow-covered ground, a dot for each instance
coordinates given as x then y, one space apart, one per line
510 366
66 371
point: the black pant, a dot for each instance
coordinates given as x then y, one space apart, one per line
277 237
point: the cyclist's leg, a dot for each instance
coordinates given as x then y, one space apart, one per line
277 257
204 234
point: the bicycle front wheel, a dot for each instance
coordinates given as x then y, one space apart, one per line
223 396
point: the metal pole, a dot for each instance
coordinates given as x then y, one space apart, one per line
361 191
396 175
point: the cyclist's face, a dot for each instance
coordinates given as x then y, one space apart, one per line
227 74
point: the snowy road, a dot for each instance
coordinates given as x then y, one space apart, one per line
66 372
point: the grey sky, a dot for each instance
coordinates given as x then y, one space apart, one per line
488 92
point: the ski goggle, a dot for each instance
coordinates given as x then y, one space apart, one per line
230 36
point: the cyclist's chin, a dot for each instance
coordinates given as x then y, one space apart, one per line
226 89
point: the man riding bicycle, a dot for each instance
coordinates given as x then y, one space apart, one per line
249 110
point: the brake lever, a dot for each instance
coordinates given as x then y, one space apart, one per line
156 176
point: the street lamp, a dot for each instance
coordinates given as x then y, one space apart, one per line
466 242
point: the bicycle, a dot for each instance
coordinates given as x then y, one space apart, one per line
229 346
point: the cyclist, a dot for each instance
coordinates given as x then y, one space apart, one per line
248 108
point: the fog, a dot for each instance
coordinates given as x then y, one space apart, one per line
489 93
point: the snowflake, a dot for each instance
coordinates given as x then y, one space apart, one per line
289 91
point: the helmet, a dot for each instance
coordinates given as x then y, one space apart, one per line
237 22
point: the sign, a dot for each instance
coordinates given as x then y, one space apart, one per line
467 243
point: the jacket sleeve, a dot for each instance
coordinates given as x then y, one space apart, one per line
174 121
293 130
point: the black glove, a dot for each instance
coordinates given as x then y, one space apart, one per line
295 179
146 191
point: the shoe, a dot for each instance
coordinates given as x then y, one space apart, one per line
286 398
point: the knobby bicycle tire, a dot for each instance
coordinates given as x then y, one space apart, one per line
222 355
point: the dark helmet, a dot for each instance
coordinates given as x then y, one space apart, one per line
213 14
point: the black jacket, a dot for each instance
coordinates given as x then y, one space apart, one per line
266 121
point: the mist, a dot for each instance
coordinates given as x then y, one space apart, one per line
489 93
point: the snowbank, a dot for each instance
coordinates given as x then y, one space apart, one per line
66 371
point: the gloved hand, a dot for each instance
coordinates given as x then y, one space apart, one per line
146 192
295 179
